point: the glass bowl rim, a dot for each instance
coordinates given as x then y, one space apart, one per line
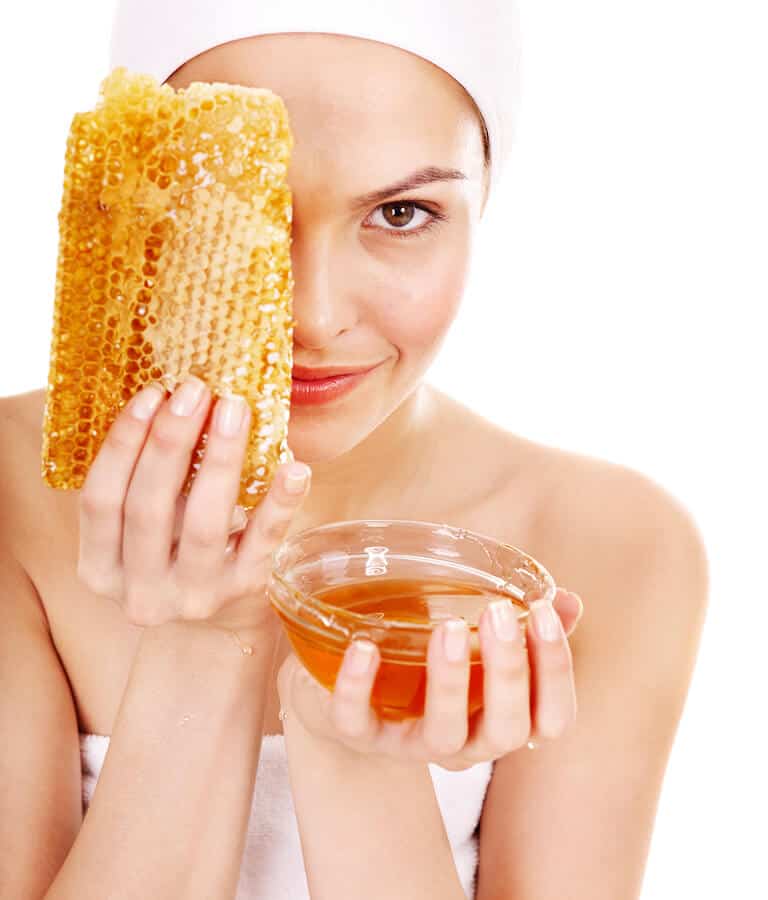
550 587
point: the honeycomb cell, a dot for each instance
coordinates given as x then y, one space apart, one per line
174 253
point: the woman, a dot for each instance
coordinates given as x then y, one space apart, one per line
152 689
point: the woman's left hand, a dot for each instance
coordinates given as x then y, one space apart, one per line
509 719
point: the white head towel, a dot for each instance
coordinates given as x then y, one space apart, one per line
474 41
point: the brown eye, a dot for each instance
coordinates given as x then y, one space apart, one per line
405 218
398 214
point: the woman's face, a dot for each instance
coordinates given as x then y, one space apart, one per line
378 272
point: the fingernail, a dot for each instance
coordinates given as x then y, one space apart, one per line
146 402
186 396
546 620
455 638
296 476
359 658
229 414
576 596
504 620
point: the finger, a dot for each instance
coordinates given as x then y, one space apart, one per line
569 607
270 522
351 712
213 495
554 697
150 507
106 485
239 519
504 723
444 726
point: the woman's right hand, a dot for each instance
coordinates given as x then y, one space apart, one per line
129 507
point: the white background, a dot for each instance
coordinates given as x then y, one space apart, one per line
617 294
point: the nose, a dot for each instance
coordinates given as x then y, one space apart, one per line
322 300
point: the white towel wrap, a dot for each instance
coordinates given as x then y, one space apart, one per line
476 41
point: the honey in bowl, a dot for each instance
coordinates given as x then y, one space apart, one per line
400 687
393 582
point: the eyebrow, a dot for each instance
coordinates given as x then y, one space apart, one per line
416 179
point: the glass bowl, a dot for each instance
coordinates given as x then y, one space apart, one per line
392 581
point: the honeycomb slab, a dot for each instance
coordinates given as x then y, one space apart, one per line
174 258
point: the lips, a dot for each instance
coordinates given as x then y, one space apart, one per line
306 374
312 387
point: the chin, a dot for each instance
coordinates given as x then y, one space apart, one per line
324 440
321 434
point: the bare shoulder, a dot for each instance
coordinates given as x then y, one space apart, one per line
20 441
21 417
614 505
634 553
589 520
630 527
627 544
24 406
19 467
30 507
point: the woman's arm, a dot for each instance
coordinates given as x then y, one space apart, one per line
169 815
370 827
574 817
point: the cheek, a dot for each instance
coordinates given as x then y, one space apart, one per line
422 297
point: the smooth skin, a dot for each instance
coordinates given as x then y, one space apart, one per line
573 818
129 552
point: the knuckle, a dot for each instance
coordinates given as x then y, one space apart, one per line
559 662
454 746
124 436
284 497
455 696
248 579
93 505
282 502
504 740
198 606
143 514
166 437
432 745
273 527
450 677
203 536
440 745
346 693
99 583
349 726
139 610
550 728
221 456
511 666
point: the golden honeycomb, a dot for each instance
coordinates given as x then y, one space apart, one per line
174 258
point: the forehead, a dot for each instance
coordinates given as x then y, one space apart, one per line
370 100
